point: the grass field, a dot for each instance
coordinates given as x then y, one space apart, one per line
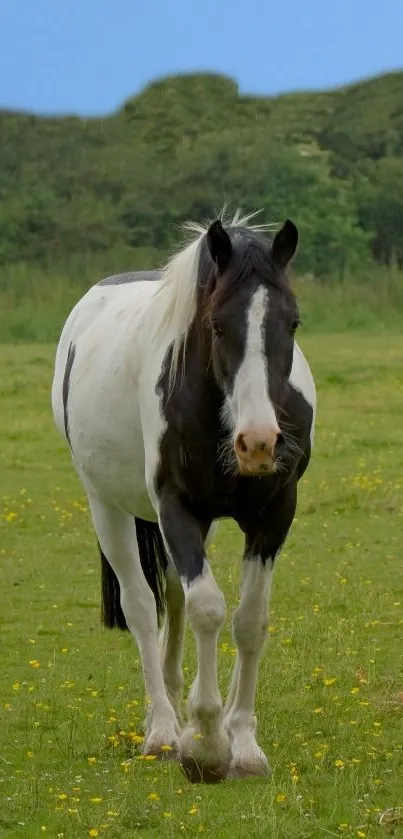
330 701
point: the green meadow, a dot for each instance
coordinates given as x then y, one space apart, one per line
330 698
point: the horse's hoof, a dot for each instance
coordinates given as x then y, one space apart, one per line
249 769
166 749
201 773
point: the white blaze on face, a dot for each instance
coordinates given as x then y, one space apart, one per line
249 406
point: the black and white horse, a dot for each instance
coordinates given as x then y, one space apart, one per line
185 399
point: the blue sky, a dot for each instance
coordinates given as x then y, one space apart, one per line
88 56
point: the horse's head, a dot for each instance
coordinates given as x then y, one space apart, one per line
252 317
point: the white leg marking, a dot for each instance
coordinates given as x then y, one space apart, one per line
172 636
249 405
117 536
205 749
250 631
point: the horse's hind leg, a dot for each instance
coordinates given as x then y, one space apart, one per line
117 537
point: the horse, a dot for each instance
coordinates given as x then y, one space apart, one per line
185 399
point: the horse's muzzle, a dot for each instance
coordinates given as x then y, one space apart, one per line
257 450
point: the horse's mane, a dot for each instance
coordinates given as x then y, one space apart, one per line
175 302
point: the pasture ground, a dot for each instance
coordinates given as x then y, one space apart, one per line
330 702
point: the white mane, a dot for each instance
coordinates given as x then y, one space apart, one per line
176 312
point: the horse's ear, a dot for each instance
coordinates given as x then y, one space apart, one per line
219 245
285 244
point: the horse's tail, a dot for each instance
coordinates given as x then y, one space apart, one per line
154 561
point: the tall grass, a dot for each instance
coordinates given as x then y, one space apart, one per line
35 301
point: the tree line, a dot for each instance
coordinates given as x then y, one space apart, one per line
117 189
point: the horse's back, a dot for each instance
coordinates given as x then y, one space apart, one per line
131 277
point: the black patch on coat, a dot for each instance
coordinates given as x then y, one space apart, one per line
131 277
66 385
193 482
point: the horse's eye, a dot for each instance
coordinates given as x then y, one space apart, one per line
217 329
295 324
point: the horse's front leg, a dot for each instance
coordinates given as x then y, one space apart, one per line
204 744
250 623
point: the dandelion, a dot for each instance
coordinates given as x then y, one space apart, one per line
280 797
34 662
62 796
93 832
95 800
167 815
328 682
125 765
153 796
166 748
92 760
361 834
193 810
339 764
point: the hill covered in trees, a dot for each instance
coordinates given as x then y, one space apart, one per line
115 189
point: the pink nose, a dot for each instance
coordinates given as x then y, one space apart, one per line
256 449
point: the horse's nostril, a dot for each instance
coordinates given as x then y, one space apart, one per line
241 443
263 447
280 443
